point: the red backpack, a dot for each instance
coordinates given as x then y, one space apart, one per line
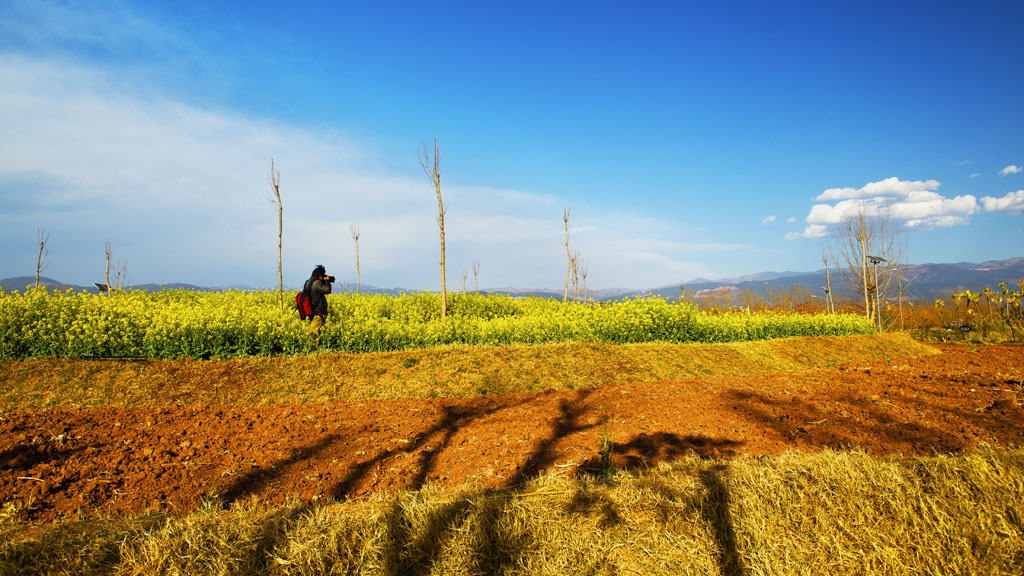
304 305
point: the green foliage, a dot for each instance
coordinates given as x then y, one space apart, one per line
183 324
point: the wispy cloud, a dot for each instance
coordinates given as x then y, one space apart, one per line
768 219
1012 202
1011 169
95 161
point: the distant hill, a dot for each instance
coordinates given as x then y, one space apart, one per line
927 282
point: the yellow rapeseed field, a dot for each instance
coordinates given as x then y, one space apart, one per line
186 324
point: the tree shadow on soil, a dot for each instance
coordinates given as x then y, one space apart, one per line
415 539
648 449
876 425
24 457
715 512
452 419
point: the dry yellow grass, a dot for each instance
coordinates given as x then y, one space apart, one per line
435 372
824 513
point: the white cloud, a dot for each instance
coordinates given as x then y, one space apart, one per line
1011 202
790 220
768 219
890 187
812 231
976 174
1011 169
916 203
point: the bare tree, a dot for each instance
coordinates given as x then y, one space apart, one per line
355 236
106 272
465 275
275 185
476 275
829 303
862 242
902 283
568 254
574 261
583 275
120 275
42 261
433 171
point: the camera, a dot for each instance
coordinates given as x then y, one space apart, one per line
329 278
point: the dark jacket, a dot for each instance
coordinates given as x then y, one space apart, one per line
318 291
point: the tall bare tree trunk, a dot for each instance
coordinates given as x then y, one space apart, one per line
568 254
275 185
43 252
476 274
355 236
433 170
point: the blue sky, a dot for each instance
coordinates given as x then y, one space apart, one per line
690 139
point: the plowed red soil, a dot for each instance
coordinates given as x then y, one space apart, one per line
62 463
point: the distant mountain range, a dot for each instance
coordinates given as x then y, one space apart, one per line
926 282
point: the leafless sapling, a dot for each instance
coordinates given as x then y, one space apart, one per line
829 303
355 236
432 168
120 275
574 261
275 185
42 260
106 272
568 254
583 275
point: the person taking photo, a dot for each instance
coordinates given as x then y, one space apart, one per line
318 287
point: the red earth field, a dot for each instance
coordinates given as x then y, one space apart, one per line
65 463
